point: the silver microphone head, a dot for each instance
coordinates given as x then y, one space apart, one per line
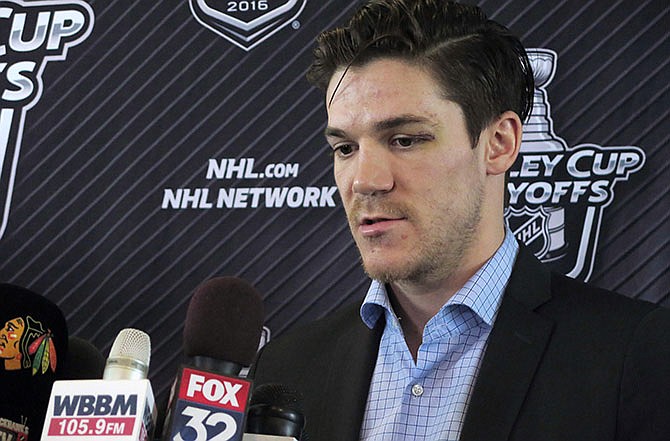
129 356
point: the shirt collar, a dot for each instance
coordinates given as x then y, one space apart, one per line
482 293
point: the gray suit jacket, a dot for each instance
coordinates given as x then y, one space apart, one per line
565 361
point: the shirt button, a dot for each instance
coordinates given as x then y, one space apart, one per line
417 390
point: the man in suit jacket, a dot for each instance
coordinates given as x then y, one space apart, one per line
462 335
565 361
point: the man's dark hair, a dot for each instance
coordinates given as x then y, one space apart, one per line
481 65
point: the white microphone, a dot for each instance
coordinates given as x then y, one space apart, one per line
120 407
129 357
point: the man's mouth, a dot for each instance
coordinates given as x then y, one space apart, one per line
377 219
376 225
372 221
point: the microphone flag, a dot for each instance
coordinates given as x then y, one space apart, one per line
207 406
113 410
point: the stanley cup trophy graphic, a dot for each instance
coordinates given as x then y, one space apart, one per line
541 228
538 133
557 193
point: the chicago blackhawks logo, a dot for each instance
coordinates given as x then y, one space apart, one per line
558 193
246 23
25 344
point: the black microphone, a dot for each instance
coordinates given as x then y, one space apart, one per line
222 332
276 409
84 360
33 346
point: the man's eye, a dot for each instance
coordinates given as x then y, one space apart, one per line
405 141
343 149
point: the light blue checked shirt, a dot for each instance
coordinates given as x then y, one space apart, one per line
428 400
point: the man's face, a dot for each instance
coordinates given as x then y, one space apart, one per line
410 181
10 336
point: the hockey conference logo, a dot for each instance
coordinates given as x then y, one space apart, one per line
246 23
32 33
558 193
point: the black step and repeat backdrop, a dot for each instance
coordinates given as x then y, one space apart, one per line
147 146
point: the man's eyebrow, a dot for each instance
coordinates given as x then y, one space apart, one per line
383 125
334 133
401 120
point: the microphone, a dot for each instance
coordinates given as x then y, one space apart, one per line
84 361
275 413
33 346
129 357
223 325
120 407
222 332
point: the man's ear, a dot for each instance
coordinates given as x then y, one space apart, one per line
503 142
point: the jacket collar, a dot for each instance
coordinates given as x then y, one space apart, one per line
347 383
514 350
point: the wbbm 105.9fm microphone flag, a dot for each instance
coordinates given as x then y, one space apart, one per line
120 407
221 336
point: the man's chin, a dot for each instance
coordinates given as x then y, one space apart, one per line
385 273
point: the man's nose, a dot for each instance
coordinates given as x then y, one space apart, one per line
373 171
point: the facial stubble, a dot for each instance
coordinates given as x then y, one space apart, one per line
441 245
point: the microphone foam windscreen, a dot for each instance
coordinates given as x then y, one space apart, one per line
33 348
224 321
84 360
276 409
276 394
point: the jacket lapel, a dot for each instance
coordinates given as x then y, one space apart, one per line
514 350
347 383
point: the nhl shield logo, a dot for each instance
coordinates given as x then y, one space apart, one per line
246 23
557 194
530 226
